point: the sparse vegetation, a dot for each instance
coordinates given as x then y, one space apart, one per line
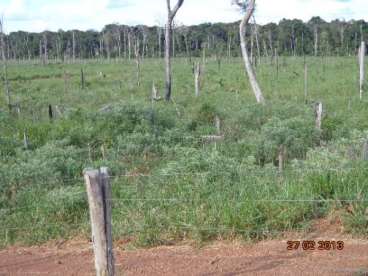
231 189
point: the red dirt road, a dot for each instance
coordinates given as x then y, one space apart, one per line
264 258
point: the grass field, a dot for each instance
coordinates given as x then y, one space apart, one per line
167 184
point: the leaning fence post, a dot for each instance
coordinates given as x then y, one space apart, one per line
99 195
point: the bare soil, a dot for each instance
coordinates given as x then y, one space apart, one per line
264 258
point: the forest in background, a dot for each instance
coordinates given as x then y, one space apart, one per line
290 37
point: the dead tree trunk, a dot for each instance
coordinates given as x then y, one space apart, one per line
5 66
342 39
319 112
229 47
125 43
248 66
25 141
365 151
101 53
168 38
187 48
265 49
40 50
305 82
315 41
361 33
138 62
129 46
218 59
73 46
106 39
144 46
197 79
252 48
281 158
58 47
27 48
51 113
173 40
204 53
255 30
270 40
45 57
218 124
159 35
361 62
155 93
119 43
82 79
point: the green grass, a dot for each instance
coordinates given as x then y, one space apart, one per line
189 190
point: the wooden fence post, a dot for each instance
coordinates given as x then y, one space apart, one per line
218 124
365 151
218 59
51 113
281 158
155 93
138 62
65 76
106 187
319 112
361 63
277 63
99 200
25 140
82 79
197 79
306 83
103 152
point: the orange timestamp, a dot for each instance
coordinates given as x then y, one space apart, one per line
315 245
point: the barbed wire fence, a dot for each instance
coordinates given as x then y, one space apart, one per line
161 176
220 229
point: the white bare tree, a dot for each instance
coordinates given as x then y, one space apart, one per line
248 6
138 60
160 25
168 40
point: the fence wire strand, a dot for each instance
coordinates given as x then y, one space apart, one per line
240 173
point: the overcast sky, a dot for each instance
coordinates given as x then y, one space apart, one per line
39 15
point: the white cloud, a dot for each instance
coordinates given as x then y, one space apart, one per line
16 8
305 9
37 15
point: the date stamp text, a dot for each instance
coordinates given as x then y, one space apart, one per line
315 245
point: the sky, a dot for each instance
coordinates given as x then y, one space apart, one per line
52 15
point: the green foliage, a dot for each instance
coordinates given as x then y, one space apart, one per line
223 190
284 32
47 166
330 126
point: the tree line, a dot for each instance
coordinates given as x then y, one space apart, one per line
288 37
